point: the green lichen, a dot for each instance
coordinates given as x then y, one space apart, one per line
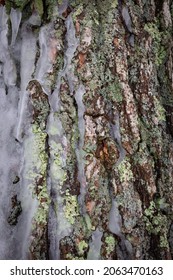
71 207
105 5
113 91
164 241
82 247
157 36
20 4
104 79
161 203
77 12
110 244
156 223
40 168
73 257
88 222
51 8
41 215
57 170
160 111
151 136
38 4
125 172
81 227
114 4
39 158
26 6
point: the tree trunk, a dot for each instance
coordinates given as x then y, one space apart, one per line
86 92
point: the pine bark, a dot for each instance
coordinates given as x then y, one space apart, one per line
114 64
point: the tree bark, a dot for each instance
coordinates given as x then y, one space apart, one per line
101 142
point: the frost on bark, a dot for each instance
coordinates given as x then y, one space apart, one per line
93 130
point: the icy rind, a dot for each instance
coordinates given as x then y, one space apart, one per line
127 18
95 245
115 221
44 65
79 151
10 151
28 52
15 17
117 136
9 68
124 249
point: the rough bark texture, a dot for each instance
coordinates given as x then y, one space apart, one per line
108 161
